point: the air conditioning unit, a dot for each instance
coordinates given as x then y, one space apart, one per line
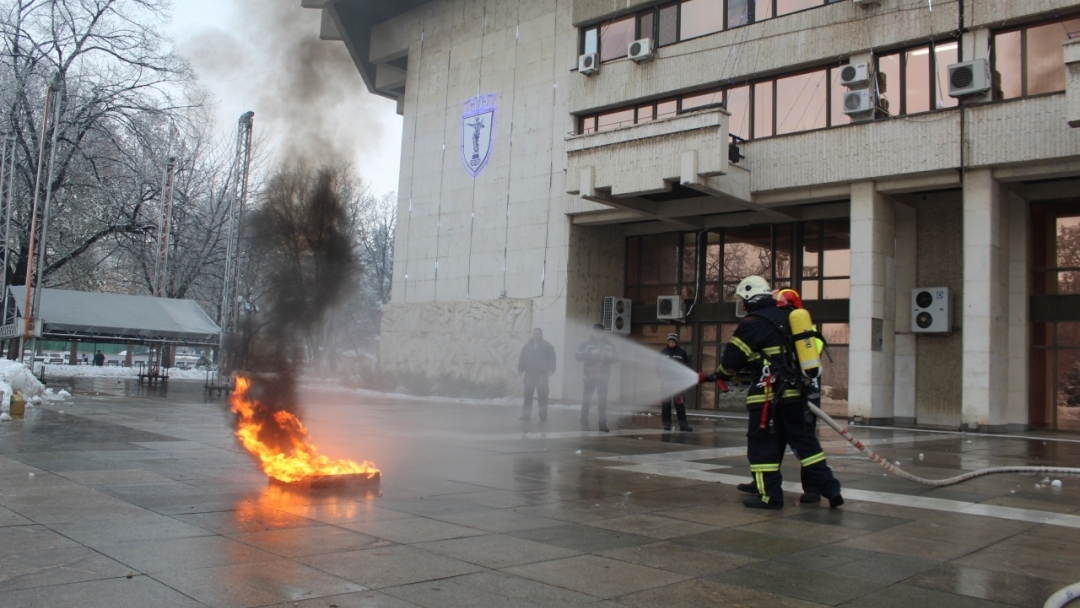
589 63
670 308
867 2
617 315
855 76
642 50
860 102
931 311
970 78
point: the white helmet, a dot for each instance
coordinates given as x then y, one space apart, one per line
752 287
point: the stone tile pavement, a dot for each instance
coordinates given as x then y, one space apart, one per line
141 498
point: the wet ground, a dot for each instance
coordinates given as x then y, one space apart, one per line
142 499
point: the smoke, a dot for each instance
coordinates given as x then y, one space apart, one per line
306 93
300 234
640 378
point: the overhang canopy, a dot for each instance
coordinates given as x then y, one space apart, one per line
105 317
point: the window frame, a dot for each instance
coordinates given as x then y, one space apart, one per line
1024 70
655 12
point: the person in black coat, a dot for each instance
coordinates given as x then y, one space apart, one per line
669 391
597 354
99 359
537 364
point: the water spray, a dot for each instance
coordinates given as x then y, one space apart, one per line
934 483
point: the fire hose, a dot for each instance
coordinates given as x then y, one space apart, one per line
1063 597
888 466
934 483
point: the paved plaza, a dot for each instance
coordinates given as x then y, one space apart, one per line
124 497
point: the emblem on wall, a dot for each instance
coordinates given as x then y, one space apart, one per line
478 132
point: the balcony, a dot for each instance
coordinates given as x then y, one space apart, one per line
675 169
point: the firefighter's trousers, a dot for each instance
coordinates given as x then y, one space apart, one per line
792 424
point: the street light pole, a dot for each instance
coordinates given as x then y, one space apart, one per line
48 199
29 316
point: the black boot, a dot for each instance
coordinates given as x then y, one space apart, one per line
685 428
810 498
748 488
756 503
835 501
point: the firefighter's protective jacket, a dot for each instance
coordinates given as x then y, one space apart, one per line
756 342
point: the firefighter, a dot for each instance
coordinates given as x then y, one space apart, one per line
776 399
667 384
789 299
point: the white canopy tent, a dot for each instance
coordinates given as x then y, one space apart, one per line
106 317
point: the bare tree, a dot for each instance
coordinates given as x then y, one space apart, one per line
121 90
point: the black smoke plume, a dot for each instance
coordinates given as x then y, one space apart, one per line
304 262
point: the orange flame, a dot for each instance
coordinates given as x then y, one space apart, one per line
302 459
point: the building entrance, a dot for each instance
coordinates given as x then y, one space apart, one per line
1055 331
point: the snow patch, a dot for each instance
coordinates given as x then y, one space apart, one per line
91 371
4 417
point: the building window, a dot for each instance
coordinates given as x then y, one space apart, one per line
1031 60
700 18
919 77
826 260
1056 249
669 264
915 80
1055 343
683 20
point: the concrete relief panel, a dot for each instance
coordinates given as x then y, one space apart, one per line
475 341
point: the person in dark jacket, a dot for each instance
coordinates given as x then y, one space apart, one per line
668 388
537 363
778 412
597 354
99 359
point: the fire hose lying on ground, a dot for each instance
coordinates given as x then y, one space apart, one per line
934 483
1059 599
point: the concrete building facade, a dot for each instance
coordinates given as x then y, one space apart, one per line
531 190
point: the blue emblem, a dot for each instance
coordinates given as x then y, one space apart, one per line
478 132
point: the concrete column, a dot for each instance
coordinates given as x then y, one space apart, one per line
1019 227
873 305
1072 81
129 358
907 275
984 370
74 358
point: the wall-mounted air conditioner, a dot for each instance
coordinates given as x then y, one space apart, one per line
670 308
931 312
860 102
642 50
867 2
617 315
970 78
589 63
855 76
